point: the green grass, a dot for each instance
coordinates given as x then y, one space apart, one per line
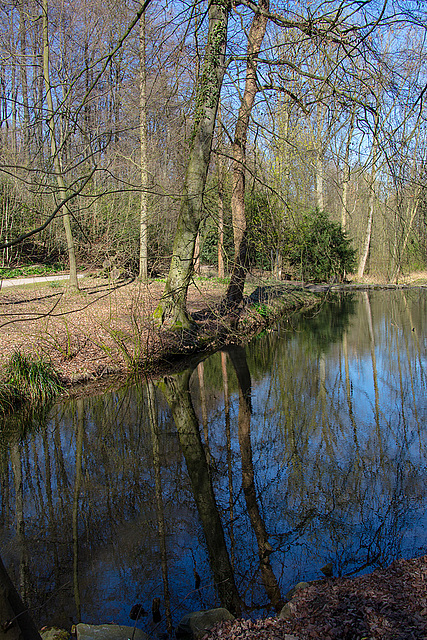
263 310
213 279
28 380
10 397
30 270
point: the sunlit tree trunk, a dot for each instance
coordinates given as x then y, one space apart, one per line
55 154
172 310
371 204
220 200
24 84
143 228
320 201
413 203
234 293
347 173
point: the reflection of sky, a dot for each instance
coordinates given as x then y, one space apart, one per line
339 477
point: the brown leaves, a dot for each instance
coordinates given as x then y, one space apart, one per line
388 604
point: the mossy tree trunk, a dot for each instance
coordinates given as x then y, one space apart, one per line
234 293
172 310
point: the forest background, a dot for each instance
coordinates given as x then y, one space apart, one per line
100 103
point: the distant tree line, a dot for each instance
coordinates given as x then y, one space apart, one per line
320 108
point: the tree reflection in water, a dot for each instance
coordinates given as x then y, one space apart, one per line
249 472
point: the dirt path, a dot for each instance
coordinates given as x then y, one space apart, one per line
36 280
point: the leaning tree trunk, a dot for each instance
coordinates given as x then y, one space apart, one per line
234 293
172 310
16 622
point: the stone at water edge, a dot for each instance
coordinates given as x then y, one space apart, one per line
54 633
195 625
297 587
109 632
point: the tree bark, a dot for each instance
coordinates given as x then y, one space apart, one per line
143 227
368 232
234 293
55 155
172 310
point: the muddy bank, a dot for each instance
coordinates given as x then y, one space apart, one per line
107 330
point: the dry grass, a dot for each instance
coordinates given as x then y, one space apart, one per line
103 328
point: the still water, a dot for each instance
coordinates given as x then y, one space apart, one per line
231 481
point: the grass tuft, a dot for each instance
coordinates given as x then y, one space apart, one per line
30 379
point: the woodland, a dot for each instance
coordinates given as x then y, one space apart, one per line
160 137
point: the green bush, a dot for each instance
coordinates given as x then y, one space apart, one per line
319 249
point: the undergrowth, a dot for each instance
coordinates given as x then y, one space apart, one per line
27 379
29 270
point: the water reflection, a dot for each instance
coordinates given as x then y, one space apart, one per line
231 481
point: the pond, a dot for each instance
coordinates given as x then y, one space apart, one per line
229 482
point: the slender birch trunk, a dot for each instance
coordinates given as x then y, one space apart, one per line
346 173
371 204
143 227
24 85
55 155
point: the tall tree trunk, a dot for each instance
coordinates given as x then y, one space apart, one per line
320 200
143 226
346 173
371 204
234 293
24 84
220 198
55 155
172 310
